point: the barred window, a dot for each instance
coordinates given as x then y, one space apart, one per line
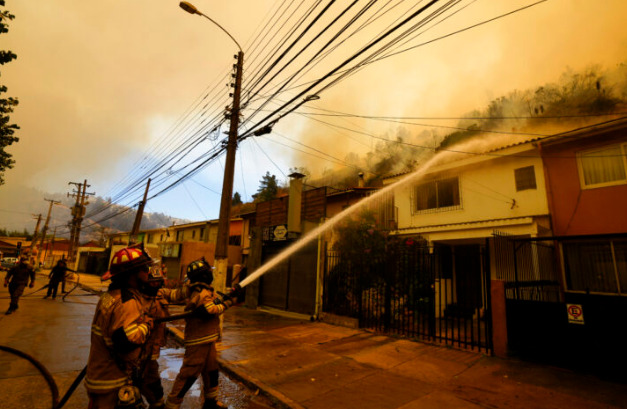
596 266
525 178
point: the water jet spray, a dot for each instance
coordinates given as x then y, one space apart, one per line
332 222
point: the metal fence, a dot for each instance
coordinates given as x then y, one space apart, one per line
437 294
529 268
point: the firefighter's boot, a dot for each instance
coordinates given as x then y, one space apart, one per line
213 404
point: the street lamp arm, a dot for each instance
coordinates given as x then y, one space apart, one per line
190 8
223 29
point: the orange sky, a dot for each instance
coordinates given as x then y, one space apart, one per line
99 82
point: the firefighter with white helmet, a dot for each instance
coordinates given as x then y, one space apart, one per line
119 329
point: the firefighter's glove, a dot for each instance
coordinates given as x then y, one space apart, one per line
236 294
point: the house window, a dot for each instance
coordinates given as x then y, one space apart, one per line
202 233
598 266
150 238
438 194
193 234
179 235
603 167
525 178
235 240
161 238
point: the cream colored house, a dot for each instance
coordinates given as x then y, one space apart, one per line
455 207
466 200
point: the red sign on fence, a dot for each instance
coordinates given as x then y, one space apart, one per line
575 314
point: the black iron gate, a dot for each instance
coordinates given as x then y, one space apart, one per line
432 293
536 325
291 285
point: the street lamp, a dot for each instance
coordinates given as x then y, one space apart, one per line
221 252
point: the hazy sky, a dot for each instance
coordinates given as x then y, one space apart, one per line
100 82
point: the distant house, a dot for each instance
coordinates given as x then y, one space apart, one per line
53 251
178 245
9 246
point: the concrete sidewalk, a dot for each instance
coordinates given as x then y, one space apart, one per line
303 364
316 365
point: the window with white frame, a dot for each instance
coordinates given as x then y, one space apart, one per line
440 194
603 167
598 266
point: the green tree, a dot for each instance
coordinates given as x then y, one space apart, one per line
237 199
268 188
7 104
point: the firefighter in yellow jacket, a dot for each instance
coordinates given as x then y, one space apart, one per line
119 329
156 302
155 307
202 330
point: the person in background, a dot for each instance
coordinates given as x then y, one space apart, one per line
17 279
57 275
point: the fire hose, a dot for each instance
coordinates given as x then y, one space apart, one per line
54 390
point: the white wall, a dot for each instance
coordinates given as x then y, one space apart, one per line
487 192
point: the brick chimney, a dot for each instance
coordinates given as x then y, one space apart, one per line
294 204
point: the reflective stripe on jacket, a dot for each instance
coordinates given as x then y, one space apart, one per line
155 307
117 332
203 327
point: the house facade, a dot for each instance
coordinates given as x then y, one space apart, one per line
454 209
586 172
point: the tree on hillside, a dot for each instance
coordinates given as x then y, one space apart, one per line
7 105
237 199
268 188
576 94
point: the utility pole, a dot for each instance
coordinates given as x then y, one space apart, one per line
32 243
43 233
132 238
222 244
77 195
224 221
103 232
51 246
78 211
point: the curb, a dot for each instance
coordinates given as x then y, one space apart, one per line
276 397
269 392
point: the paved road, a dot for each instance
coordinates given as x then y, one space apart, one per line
57 333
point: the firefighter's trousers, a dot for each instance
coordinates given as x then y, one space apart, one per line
198 360
103 400
151 387
16 291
